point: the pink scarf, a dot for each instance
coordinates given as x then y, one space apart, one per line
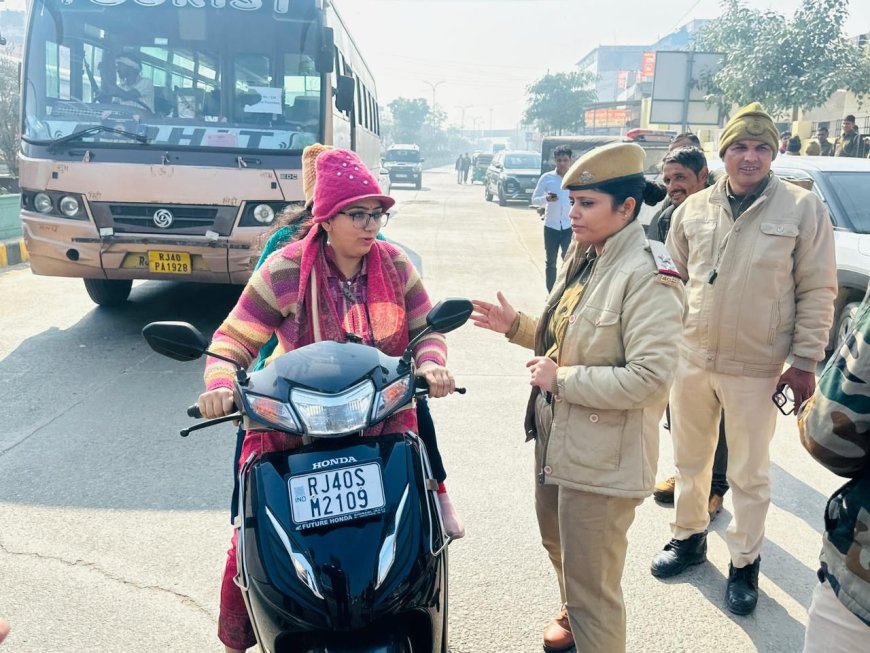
385 301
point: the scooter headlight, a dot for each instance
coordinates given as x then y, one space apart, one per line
334 414
273 412
391 397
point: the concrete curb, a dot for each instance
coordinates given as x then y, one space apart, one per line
13 252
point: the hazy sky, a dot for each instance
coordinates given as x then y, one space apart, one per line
485 52
488 51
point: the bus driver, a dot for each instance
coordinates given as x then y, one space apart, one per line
132 89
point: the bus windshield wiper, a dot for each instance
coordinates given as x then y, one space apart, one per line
96 129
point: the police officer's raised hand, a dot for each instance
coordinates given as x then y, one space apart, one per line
802 385
495 317
216 403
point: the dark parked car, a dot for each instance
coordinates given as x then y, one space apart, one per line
512 175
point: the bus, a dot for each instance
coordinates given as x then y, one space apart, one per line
161 138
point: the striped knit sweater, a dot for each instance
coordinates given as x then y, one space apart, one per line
269 305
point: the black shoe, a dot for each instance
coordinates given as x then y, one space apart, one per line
679 555
741 595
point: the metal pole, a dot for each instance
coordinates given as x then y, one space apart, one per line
433 87
689 65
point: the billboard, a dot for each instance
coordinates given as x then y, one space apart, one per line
678 97
616 117
648 67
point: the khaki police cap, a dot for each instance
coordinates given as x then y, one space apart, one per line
611 162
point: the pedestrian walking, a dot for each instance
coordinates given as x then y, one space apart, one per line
605 353
757 255
458 167
466 167
550 196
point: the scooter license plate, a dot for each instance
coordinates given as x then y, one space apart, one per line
336 495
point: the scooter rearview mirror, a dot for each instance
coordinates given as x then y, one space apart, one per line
177 340
449 314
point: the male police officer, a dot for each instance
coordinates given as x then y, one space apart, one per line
850 143
757 256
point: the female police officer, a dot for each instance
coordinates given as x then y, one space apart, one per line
605 353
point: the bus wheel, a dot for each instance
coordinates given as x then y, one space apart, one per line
107 292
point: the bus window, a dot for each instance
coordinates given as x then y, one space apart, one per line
301 104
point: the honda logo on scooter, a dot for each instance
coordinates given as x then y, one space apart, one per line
333 461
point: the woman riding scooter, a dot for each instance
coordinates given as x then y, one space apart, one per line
337 283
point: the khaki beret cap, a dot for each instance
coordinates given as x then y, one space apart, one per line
610 162
751 122
309 174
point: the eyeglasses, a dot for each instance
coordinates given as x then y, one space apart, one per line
781 397
362 219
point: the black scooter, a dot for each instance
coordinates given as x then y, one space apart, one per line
341 546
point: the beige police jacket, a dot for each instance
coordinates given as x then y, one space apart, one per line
775 280
616 365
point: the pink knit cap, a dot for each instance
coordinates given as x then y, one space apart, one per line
342 179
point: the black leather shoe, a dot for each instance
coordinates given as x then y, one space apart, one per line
741 595
679 555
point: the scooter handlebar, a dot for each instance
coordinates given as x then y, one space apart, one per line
193 411
423 385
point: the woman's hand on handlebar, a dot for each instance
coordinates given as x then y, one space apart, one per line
216 403
495 317
439 378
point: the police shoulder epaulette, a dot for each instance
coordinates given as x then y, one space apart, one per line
668 272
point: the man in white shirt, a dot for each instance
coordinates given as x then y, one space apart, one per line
557 225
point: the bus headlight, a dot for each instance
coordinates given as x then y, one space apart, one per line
42 203
69 206
264 214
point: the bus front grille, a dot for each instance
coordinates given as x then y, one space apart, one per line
187 219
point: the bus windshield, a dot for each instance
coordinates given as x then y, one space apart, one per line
237 74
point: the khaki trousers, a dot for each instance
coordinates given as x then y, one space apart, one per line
585 537
698 397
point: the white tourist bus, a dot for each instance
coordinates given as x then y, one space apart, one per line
161 137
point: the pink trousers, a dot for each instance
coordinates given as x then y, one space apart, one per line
234 626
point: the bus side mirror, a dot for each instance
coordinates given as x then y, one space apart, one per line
344 91
326 52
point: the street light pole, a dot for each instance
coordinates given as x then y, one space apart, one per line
463 107
433 86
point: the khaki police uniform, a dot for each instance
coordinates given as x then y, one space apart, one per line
760 289
597 434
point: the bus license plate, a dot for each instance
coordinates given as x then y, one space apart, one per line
336 495
169 262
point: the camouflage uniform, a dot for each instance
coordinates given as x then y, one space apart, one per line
835 429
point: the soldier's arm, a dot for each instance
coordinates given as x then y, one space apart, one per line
835 423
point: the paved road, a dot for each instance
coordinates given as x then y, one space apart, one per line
113 529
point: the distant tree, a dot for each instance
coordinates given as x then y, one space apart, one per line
9 113
408 119
786 64
557 102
